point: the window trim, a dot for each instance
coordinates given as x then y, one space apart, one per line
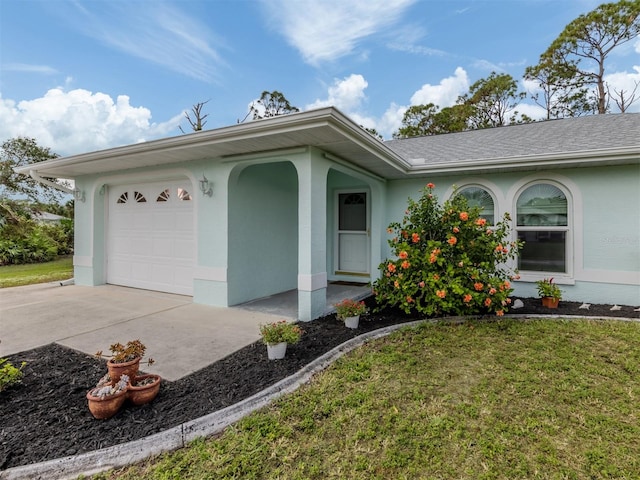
567 277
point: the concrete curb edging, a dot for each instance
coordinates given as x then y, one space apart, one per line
91 463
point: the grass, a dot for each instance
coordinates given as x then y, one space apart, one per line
543 399
28 274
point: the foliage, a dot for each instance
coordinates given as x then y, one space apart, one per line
576 58
546 288
490 102
126 353
9 375
447 260
505 399
271 104
19 152
280 331
350 308
32 273
493 99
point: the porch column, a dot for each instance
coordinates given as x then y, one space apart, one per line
312 236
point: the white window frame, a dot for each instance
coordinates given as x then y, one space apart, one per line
566 277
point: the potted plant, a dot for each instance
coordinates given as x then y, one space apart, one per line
277 335
125 359
349 311
106 398
144 389
549 292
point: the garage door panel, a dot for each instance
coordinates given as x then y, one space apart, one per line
151 243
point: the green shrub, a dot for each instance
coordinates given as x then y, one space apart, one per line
9 375
448 260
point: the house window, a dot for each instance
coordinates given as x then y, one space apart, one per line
164 196
124 198
139 197
481 198
183 195
542 222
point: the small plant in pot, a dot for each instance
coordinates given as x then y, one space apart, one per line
276 335
349 312
144 389
106 398
549 292
125 359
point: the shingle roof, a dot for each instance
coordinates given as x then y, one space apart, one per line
545 138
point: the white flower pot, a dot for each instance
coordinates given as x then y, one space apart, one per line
352 322
276 351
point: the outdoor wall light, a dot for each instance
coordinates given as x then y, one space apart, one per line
78 195
205 187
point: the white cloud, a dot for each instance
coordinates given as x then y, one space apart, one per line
327 30
445 93
163 35
23 67
79 121
346 95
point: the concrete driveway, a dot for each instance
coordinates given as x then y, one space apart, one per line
182 337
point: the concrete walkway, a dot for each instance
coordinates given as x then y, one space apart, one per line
182 337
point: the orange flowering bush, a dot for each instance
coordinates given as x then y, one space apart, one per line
447 260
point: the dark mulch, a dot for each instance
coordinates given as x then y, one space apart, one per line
46 416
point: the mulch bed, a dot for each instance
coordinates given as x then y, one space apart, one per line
46 416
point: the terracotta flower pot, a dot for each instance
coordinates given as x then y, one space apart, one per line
106 407
116 370
141 394
550 302
352 322
276 351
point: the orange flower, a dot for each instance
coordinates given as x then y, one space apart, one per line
452 240
409 299
436 277
403 255
441 293
430 185
456 229
421 284
489 231
415 237
508 301
396 284
500 248
405 234
487 302
464 216
492 291
467 298
391 267
499 313
405 264
432 258
481 222
389 230
478 286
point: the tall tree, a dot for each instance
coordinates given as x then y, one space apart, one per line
19 152
417 121
493 100
577 57
271 104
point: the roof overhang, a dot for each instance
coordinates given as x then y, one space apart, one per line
326 129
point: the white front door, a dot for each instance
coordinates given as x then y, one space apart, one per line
353 233
150 236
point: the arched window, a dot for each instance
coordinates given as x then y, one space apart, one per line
479 197
542 222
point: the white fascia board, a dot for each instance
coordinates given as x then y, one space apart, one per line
623 155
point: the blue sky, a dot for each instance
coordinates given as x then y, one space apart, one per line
85 75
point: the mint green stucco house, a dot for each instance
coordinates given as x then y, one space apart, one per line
298 201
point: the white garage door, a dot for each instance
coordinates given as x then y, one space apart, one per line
150 236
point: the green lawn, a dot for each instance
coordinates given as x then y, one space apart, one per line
544 399
17 275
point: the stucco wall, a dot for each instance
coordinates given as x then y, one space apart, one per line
605 231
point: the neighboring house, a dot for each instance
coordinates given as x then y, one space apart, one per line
294 202
49 218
